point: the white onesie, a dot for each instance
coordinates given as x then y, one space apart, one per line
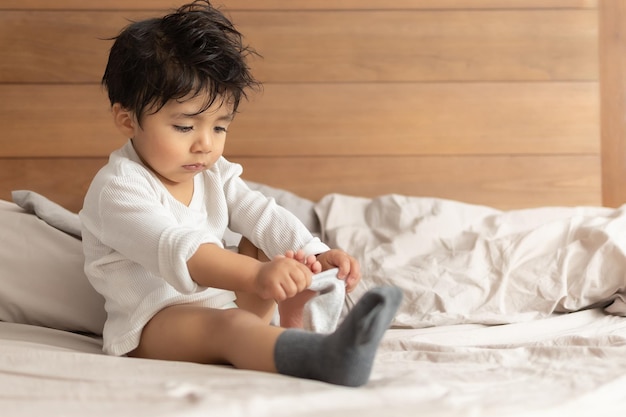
137 239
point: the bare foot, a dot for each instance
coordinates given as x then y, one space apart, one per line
291 309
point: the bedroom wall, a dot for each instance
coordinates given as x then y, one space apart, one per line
487 101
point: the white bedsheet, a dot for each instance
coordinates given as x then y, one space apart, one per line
463 263
571 363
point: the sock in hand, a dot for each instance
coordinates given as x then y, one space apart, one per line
346 356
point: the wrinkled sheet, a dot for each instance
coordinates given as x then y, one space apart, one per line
569 364
462 263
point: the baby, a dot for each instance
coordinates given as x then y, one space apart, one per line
154 219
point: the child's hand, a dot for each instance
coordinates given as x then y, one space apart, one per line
310 261
282 278
349 269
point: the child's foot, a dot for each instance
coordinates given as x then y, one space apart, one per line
346 356
292 309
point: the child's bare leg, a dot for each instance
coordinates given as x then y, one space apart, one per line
248 301
345 357
211 336
291 310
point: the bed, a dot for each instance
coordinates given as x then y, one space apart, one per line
513 312
470 152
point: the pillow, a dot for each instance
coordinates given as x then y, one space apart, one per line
49 211
41 261
41 275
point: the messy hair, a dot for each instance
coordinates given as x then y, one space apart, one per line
193 50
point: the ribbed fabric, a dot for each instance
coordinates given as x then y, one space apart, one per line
137 239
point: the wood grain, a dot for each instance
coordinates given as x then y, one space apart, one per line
302 4
496 102
332 119
613 88
56 120
63 180
505 182
419 119
442 45
318 46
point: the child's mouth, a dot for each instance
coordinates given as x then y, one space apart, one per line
195 167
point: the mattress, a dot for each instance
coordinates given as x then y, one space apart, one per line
569 364
505 313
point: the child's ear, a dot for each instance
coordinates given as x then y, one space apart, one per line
124 120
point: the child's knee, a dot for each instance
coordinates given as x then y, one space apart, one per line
237 318
247 248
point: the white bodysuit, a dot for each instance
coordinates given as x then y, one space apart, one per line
137 239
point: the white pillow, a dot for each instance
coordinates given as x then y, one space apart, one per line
41 261
41 276
48 211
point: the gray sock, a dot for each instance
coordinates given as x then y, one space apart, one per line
346 356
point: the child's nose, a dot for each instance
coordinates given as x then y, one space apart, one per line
203 143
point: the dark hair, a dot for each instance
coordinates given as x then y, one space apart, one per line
193 50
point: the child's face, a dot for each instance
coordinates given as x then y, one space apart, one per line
176 143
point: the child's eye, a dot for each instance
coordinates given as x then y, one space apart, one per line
183 129
220 129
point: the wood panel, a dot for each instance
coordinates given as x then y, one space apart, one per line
613 88
44 47
56 120
438 45
63 180
301 4
486 101
505 182
419 119
499 181
332 119
377 46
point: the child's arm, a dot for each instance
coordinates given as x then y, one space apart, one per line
279 279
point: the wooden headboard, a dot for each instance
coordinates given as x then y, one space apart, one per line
508 103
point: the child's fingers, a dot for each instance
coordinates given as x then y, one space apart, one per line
344 268
316 267
300 257
354 277
310 260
